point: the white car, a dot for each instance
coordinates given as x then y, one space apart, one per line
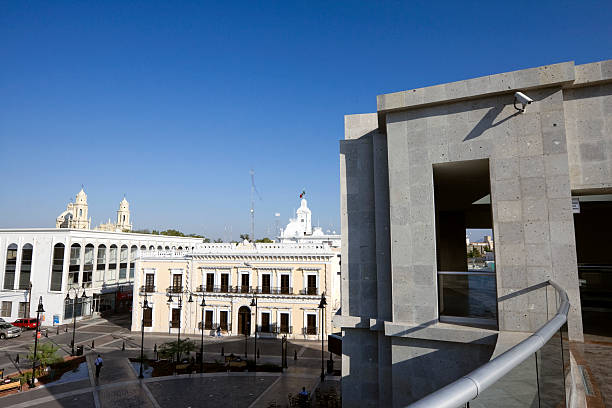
7 330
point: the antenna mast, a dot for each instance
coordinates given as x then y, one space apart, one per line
252 205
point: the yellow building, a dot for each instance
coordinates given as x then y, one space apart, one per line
286 279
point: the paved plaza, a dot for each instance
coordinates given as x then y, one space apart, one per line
119 386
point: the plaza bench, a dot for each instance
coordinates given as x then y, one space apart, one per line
10 386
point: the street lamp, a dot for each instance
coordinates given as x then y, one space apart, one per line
322 324
76 297
254 303
180 306
202 305
145 306
38 312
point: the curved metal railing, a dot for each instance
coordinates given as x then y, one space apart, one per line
473 384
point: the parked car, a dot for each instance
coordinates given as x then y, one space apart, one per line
7 330
30 323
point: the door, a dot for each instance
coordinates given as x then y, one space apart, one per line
210 282
244 283
285 284
311 324
208 320
265 322
265 283
223 320
176 318
224 282
244 320
284 323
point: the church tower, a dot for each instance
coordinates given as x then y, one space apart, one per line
123 216
304 217
79 212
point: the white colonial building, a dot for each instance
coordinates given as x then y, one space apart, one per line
286 279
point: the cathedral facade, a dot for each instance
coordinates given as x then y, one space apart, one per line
75 216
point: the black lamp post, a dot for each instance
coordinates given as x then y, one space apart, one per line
76 298
202 305
254 303
145 306
38 312
322 324
180 306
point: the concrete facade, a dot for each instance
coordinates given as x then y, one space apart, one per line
396 349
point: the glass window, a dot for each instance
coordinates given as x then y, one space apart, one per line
23 310
112 262
11 264
7 309
133 255
75 265
57 268
26 267
88 267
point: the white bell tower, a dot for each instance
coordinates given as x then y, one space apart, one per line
123 216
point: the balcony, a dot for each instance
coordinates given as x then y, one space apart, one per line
265 290
285 329
310 331
174 289
309 291
147 289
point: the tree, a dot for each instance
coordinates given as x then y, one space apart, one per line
264 240
171 348
218 241
244 236
46 354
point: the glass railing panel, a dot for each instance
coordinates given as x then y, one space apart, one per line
551 379
517 389
468 295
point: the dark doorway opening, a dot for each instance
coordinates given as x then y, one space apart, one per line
244 320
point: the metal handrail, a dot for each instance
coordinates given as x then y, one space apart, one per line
473 384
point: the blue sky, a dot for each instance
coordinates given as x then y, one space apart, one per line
173 102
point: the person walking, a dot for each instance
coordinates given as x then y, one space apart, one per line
98 363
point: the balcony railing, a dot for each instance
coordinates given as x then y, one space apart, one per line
309 330
147 288
513 368
265 290
174 289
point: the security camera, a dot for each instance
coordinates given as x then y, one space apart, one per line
523 99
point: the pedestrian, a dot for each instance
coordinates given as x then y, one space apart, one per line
99 363
218 331
17 359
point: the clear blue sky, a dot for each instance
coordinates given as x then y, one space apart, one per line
173 102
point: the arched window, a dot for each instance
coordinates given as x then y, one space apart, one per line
143 248
123 262
159 248
173 247
57 268
75 265
11 264
151 248
124 218
133 255
26 267
180 248
112 262
88 267
100 262
80 212
167 248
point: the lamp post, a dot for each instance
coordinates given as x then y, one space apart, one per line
76 298
145 306
202 305
180 306
38 312
254 303
322 324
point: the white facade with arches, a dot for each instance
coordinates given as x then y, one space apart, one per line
99 263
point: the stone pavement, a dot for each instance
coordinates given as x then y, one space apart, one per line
118 385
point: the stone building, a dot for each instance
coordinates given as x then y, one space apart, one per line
287 280
413 178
